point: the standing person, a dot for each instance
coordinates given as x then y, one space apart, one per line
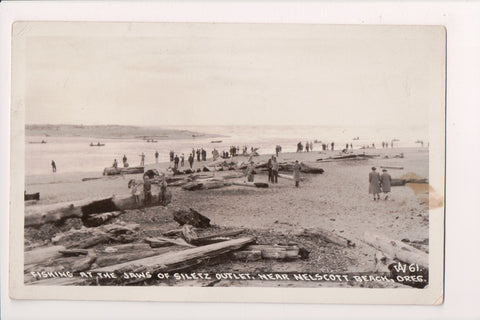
142 160
351 146
346 146
182 160
198 155
307 146
124 159
54 166
156 156
270 168
115 164
147 189
386 182
204 155
171 155
274 170
176 160
333 146
311 146
250 171
374 184
190 160
296 173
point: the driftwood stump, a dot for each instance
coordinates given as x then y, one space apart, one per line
191 217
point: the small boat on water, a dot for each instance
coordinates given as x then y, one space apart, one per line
97 145
152 141
356 138
216 141
38 142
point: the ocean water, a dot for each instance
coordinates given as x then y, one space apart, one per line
74 154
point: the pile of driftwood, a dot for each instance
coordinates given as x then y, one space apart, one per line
110 250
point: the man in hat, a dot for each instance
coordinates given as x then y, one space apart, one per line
374 181
386 181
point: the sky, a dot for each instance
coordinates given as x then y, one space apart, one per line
228 74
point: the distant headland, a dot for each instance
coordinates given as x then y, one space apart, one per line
110 132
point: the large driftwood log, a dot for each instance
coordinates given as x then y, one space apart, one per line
174 261
251 184
113 259
191 236
191 217
277 252
205 184
327 236
57 213
397 249
247 255
130 170
42 254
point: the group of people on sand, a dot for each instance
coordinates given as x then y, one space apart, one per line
142 189
273 168
308 146
379 183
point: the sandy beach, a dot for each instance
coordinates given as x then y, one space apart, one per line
336 200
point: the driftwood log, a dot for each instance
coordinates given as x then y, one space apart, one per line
397 249
115 171
277 252
327 236
251 184
57 213
179 260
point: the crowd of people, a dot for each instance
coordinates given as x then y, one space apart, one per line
378 183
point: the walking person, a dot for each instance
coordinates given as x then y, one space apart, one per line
386 182
374 184
156 156
296 173
54 166
274 170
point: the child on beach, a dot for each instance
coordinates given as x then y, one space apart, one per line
250 171
296 173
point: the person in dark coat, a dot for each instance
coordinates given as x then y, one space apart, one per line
274 170
386 182
54 166
269 166
156 156
182 160
374 184
175 161
190 160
